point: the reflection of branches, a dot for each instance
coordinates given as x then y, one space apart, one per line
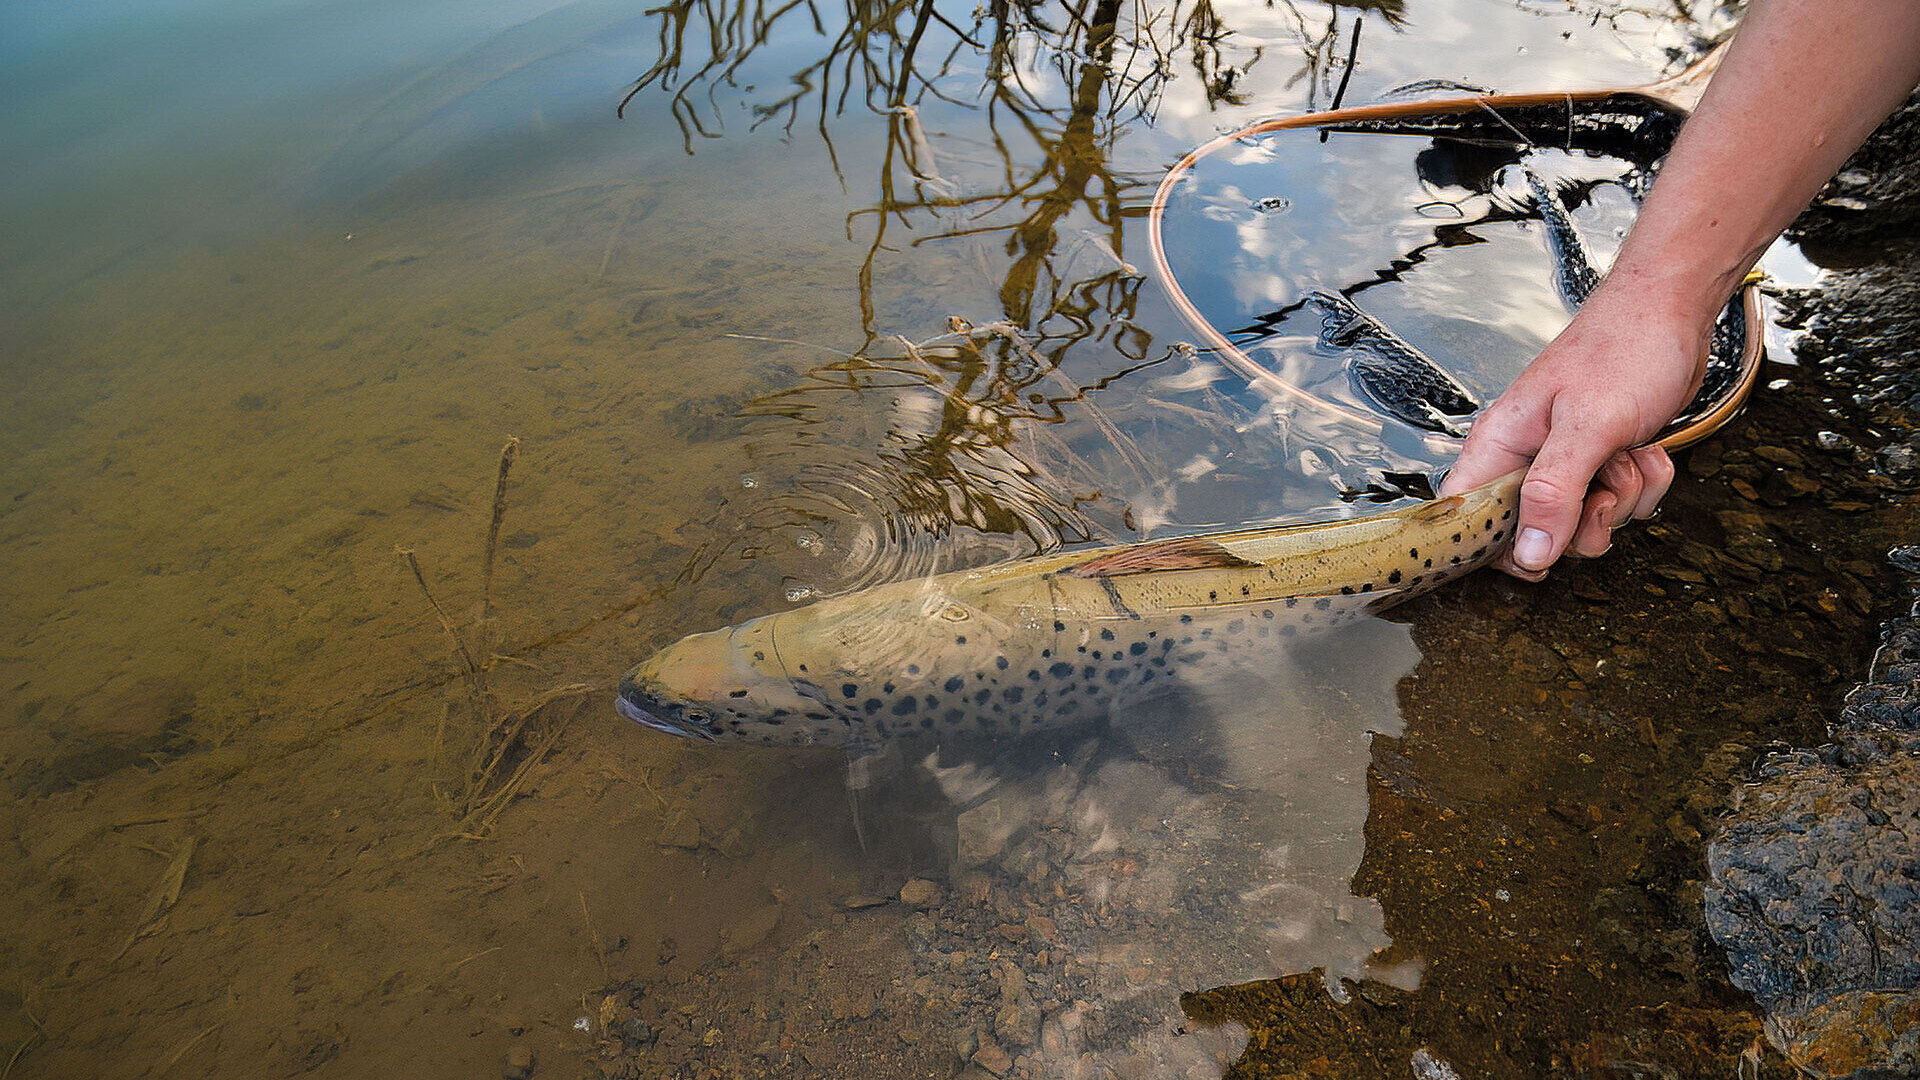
1059 80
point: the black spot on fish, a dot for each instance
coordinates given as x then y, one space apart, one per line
848 690
1116 676
1237 626
1507 514
960 639
803 667
953 684
1477 552
1013 694
1040 700
1346 590
1058 626
1489 524
1393 578
1322 604
737 693
954 716
932 702
1498 535
1246 590
1413 553
1186 618
1097 655
926 723
981 697
1089 672
758 655
1138 648
1000 662
871 705
1368 587
1213 594
1060 670
1429 564
906 706
1106 635
886 688
1456 538
1292 600
912 669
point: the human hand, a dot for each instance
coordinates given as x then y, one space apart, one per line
1580 418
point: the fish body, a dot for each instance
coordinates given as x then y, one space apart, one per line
1390 374
1053 639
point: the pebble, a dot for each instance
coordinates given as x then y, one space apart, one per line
921 893
993 1059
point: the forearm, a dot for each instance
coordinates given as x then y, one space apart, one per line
1804 82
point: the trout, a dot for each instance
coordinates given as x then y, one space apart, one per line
1053 639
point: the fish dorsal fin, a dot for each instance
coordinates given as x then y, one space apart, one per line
1179 553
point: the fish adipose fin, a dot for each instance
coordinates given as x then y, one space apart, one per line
1180 553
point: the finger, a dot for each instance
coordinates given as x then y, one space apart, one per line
1553 497
1621 476
1595 533
1656 469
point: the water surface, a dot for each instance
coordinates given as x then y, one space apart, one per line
282 280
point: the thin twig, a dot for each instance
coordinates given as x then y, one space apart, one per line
599 948
507 453
459 643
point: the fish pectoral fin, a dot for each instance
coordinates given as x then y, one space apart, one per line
1436 509
1180 553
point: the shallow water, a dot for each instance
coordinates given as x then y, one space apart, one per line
281 283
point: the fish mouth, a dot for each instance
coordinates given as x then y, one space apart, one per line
641 707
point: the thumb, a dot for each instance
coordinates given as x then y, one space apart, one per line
1502 440
1553 496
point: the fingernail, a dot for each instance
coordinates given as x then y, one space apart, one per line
1533 549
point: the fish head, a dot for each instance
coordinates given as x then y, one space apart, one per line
843 670
723 685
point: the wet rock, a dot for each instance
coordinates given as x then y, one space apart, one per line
993 1059
1017 1021
749 930
1813 887
921 893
